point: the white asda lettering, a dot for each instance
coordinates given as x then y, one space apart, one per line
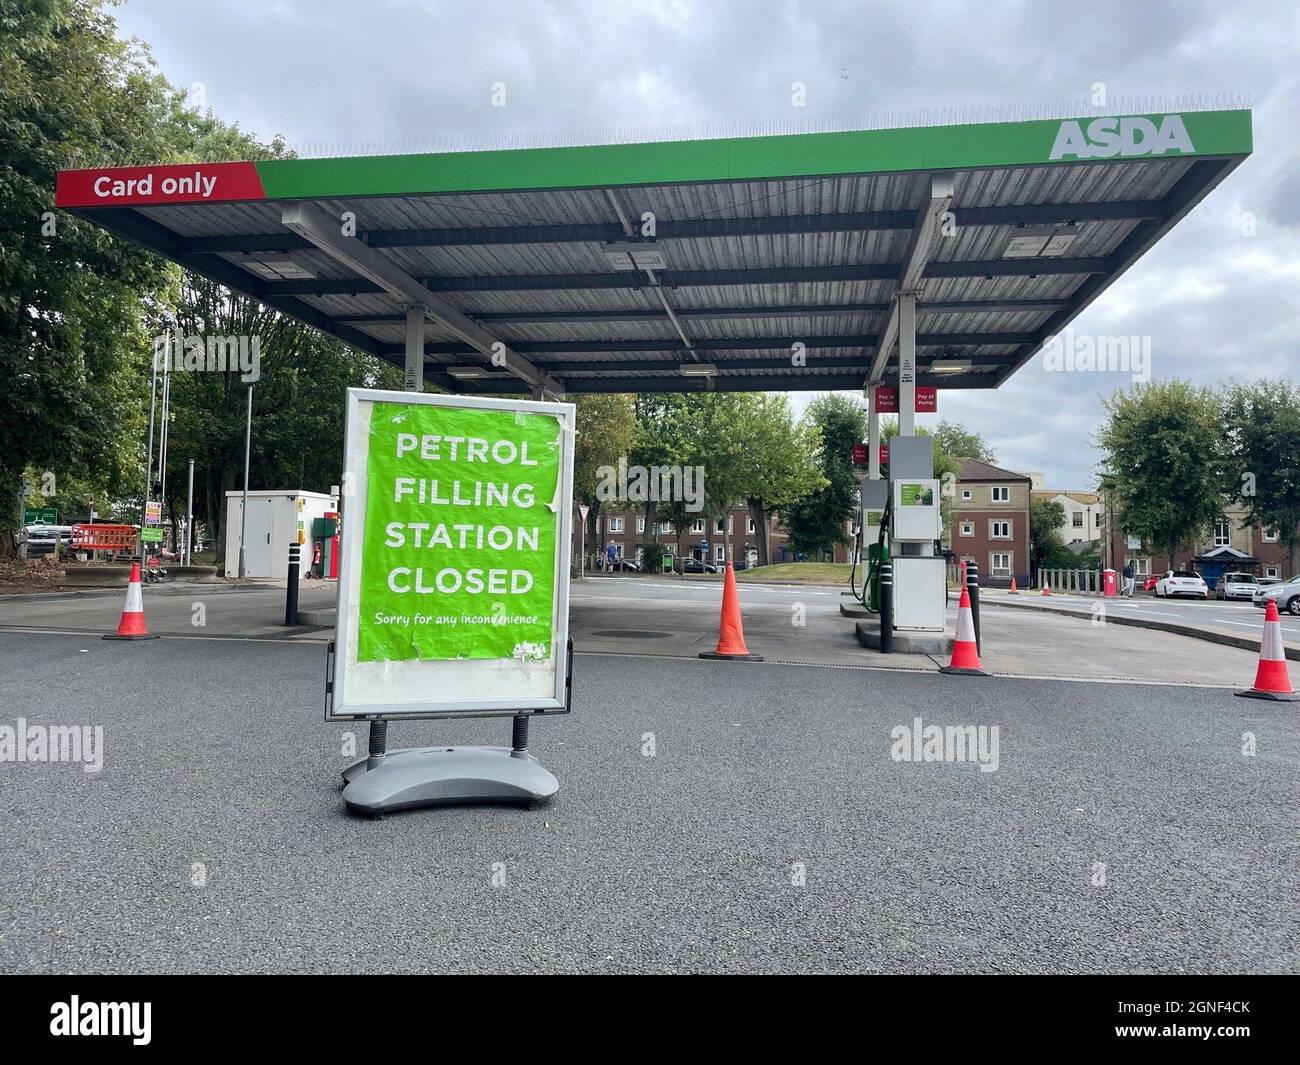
1106 138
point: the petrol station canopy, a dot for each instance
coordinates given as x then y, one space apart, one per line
767 263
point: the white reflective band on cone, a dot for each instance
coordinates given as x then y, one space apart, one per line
134 600
1270 647
965 626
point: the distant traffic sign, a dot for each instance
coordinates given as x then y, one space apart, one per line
40 516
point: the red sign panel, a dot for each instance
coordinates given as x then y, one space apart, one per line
884 454
927 399
121 186
860 453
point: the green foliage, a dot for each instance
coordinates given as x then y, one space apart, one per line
1163 463
652 557
959 442
1045 543
73 301
1263 460
817 522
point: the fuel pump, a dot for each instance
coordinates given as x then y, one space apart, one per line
916 526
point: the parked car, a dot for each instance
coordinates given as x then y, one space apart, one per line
1261 581
694 565
1236 586
627 565
1149 584
42 538
1286 594
1181 582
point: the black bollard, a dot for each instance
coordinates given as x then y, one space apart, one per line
973 590
291 589
886 607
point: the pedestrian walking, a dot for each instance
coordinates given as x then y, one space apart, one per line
1129 582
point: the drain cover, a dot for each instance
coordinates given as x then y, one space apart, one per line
633 634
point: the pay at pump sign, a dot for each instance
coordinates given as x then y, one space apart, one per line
458 556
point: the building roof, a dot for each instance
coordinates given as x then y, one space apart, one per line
688 265
975 470
1078 497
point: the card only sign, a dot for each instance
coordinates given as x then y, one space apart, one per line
453 587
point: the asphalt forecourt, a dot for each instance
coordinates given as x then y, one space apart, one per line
713 817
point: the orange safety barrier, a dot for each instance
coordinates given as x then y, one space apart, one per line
103 538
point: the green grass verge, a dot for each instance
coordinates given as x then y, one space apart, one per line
799 572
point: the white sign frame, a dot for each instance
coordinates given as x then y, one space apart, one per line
359 690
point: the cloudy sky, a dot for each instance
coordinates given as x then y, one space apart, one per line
1219 296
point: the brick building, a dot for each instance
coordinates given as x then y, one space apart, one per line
1225 546
991 525
626 530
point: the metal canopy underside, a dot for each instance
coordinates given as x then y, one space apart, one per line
762 244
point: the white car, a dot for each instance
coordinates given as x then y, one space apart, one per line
1237 586
1286 594
1181 582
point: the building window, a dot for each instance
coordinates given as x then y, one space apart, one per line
615 524
697 526
640 525
1222 532
966 495
999 530
1270 536
1271 571
1141 566
1000 563
967 528
666 527
1077 521
720 553
749 527
1000 493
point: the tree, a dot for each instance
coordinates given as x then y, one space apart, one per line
1045 519
817 521
1162 461
779 462
1263 423
660 438
73 300
605 423
959 442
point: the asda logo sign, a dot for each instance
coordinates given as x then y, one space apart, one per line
1125 138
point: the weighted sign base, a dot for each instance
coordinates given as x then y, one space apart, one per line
434 776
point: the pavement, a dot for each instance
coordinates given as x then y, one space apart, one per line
771 831
1237 623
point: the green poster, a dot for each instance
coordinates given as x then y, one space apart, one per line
458 555
915 494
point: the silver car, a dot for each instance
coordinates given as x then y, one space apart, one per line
1286 594
1236 586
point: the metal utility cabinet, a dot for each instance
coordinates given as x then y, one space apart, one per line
276 519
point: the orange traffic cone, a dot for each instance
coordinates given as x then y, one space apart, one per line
1047 590
731 634
132 626
1271 679
965 655
1014 589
